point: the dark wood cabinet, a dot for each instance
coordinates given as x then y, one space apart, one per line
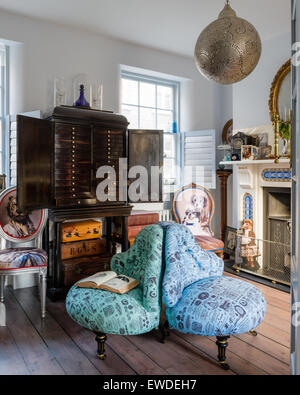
60 167
58 158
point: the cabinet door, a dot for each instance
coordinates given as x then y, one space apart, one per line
109 146
146 148
34 163
73 165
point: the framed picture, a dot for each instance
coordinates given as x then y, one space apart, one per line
230 241
2 182
227 132
249 152
15 226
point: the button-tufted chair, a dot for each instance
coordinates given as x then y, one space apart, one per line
133 313
199 299
193 206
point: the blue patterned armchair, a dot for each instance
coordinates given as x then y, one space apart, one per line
133 313
199 299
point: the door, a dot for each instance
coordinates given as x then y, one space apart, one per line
145 149
34 163
295 270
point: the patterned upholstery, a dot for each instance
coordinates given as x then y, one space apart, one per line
133 313
198 299
193 206
186 262
18 258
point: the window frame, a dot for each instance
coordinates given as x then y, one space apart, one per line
157 81
4 108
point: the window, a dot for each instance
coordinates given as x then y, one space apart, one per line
3 104
152 103
199 158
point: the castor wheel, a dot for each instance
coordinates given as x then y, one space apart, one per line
102 357
253 333
224 366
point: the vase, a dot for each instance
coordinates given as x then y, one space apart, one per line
81 101
286 151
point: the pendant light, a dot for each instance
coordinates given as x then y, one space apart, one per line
229 49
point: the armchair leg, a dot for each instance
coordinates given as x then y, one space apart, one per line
222 344
165 332
101 339
253 333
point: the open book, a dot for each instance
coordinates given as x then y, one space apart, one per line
109 281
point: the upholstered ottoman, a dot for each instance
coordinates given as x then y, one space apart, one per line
134 313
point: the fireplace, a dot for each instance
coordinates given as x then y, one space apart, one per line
277 233
261 214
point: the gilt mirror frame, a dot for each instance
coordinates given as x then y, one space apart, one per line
275 88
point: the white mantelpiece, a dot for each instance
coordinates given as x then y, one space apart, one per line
249 179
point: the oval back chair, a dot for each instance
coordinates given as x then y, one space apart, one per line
193 206
18 228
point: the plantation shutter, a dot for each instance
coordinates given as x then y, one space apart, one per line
199 158
11 172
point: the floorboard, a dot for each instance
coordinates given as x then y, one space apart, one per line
58 346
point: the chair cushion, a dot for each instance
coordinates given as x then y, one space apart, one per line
208 243
111 313
218 306
20 258
186 262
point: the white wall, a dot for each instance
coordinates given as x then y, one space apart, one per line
251 96
47 50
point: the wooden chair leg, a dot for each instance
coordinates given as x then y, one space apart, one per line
43 292
101 339
2 283
222 344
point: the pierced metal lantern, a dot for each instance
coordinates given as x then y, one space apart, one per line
229 49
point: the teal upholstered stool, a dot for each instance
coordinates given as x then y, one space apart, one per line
134 313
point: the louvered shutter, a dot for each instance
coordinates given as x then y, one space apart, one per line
12 147
199 158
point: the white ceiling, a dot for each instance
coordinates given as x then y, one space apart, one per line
170 25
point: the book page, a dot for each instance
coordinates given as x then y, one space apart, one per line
99 278
119 283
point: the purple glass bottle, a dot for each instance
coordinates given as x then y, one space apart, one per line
82 102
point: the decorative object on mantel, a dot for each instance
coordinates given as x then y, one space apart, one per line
229 49
276 175
225 154
280 109
227 132
249 152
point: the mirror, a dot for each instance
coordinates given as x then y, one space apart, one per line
280 101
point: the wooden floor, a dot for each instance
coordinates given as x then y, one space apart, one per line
58 346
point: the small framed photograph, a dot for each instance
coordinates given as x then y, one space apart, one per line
230 241
249 152
265 152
